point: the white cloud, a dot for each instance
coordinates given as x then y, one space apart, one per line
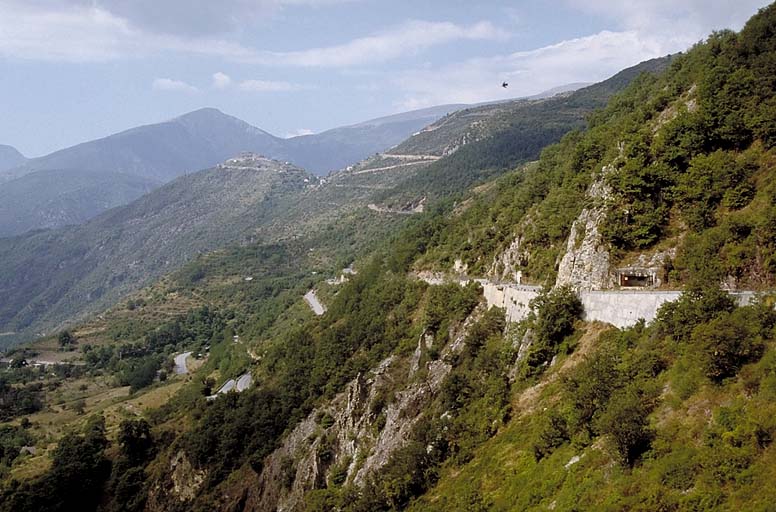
315 3
190 18
585 59
52 31
645 29
299 132
75 34
407 38
685 20
102 30
168 84
268 86
221 80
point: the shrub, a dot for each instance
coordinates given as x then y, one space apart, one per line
625 420
728 342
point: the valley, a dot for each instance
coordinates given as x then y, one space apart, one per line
561 302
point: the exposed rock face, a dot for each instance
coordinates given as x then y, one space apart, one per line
522 344
688 101
356 430
585 265
182 485
426 341
507 265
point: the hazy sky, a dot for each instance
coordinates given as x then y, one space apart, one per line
74 70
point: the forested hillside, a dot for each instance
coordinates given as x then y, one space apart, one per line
405 395
53 278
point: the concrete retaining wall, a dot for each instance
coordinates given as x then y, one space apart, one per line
621 308
513 298
624 308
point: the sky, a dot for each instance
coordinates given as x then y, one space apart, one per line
76 70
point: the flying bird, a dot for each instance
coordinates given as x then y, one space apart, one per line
504 85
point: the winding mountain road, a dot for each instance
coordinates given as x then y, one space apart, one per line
242 383
180 363
314 303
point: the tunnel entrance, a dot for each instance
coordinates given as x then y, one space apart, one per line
636 278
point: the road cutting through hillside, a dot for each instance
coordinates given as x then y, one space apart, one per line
238 385
180 363
389 167
314 303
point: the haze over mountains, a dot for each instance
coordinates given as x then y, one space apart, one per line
74 184
10 157
55 276
205 137
544 303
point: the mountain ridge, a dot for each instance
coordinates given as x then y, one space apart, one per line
10 157
36 306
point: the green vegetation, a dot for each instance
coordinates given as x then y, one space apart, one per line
18 400
554 413
79 468
556 312
630 406
12 439
471 407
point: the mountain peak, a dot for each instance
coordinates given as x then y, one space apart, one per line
207 114
210 118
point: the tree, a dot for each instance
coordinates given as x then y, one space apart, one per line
65 339
135 439
730 341
625 420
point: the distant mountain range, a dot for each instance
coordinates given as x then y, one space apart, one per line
54 277
205 137
74 184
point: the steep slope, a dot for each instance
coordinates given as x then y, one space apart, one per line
335 149
161 151
476 143
44 274
51 199
411 395
10 158
358 203
558 414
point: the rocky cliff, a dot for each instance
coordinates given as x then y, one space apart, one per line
586 262
354 435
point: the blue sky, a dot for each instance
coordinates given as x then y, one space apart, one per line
74 70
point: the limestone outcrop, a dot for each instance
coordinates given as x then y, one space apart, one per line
586 262
354 435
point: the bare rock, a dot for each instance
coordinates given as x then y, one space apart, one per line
585 264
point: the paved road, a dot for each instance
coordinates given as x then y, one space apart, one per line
180 363
389 167
227 387
243 382
314 303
